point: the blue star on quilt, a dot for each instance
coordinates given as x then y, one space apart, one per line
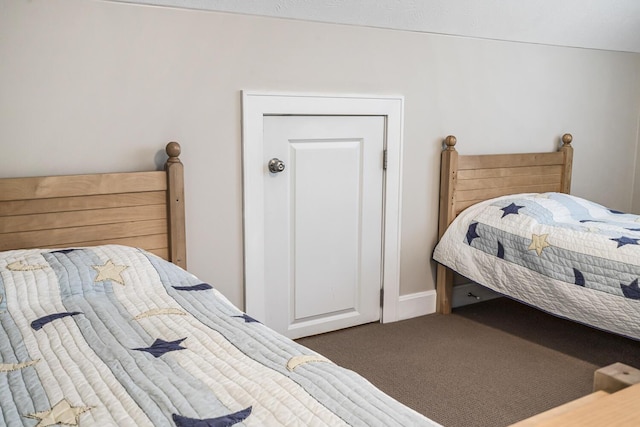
247 318
511 209
160 347
625 241
579 277
631 290
471 232
223 421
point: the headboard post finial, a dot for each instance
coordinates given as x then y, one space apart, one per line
175 196
567 166
450 141
173 151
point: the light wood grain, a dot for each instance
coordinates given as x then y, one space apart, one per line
67 204
73 235
508 182
490 161
492 192
619 409
542 417
46 221
509 171
81 185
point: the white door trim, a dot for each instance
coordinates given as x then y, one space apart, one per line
255 105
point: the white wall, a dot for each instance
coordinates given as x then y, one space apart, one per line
99 86
595 24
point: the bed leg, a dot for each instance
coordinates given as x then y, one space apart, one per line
444 289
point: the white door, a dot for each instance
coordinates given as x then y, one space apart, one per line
323 222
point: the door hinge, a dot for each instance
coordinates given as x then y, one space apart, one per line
384 159
381 297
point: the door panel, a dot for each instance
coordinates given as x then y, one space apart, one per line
325 225
323 222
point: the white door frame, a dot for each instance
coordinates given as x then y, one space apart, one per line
255 105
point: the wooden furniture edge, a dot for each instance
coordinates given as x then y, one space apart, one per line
594 410
560 410
448 203
448 174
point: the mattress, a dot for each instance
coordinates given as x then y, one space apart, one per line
564 254
115 336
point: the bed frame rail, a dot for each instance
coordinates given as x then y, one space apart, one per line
466 180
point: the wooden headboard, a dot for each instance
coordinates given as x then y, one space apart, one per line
140 209
466 180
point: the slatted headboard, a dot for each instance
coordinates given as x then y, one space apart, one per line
466 180
140 209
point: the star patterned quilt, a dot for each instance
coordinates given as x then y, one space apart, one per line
563 254
115 336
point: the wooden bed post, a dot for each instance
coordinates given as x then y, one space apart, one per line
567 149
175 205
448 172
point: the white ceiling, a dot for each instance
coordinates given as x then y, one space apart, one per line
594 24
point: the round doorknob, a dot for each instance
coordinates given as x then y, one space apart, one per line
276 165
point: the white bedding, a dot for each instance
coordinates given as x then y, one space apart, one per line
560 253
115 336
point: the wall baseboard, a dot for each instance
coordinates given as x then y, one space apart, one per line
416 304
423 303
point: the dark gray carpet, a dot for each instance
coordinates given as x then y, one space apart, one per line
488 364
